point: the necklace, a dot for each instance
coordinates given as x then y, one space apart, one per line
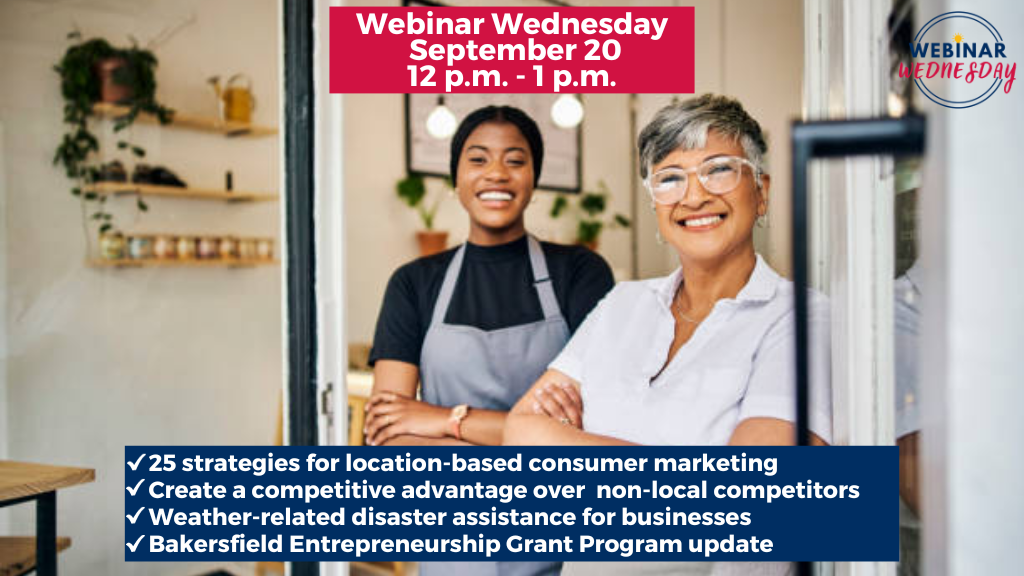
678 310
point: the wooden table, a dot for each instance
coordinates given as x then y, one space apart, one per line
24 482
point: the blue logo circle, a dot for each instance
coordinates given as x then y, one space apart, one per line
959 103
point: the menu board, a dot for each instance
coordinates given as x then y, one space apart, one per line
428 155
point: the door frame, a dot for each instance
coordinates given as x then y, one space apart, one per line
851 226
299 224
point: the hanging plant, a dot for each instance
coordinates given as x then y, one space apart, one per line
90 70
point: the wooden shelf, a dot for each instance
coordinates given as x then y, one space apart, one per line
169 263
120 188
18 554
188 121
23 479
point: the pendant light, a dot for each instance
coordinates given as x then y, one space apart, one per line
441 123
567 111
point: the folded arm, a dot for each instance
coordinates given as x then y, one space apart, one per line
395 418
762 431
551 414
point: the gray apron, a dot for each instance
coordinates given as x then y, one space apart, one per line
489 369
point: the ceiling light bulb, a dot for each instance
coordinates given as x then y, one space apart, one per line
567 111
441 123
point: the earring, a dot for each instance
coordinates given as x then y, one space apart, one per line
762 220
659 237
654 208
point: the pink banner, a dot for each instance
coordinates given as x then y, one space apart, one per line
512 50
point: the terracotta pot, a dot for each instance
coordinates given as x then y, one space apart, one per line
432 241
592 245
111 91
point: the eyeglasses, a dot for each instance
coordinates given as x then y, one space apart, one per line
717 175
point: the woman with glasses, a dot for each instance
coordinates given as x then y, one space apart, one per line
705 355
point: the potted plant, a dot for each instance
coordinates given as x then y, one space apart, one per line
93 71
588 211
413 191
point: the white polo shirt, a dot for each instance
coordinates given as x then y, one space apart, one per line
738 364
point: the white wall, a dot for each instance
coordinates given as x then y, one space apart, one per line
752 51
100 359
972 322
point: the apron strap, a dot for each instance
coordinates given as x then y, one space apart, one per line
451 276
541 280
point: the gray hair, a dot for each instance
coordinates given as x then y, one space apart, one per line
686 125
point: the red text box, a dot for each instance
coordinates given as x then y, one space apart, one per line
512 50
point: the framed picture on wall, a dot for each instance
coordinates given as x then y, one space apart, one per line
429 156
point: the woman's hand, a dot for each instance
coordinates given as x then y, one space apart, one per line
389 414
560 400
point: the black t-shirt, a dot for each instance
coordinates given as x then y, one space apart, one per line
494 290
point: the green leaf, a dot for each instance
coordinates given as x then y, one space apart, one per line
588 231
559 206
76 191
139 152
412 189
90 196
142 205
593 204
105 227
622 221
121 145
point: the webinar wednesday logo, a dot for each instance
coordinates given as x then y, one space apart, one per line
960 60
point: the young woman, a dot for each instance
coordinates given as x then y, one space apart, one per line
475 326
472 328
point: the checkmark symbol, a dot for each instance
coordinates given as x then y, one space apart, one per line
131 490
132 547
132 518
135 465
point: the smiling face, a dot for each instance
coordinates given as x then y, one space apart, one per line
495 182
707 228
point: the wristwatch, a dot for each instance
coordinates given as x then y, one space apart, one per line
455 420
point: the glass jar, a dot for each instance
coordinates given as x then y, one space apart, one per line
265 249
228 247
186 249
165 247
247 248
112 246
140 247
206 247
